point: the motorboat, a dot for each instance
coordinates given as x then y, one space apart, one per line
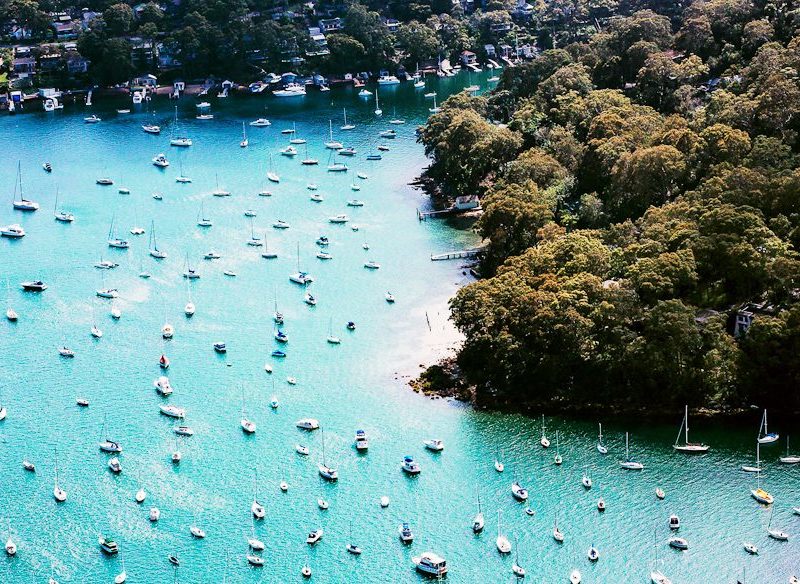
220 347
349 151
314 536
140 496
499 466
430 563
388 80
288 151
261 123
183 431
110 446
660 494
14 230
519 492
406 535
106 265
310 299
160 161
257 509
410 466
167 331
34 286
307 424
306 571
751 548
291 90
322 504
389 298
674 522
279 354
104 181
678 543
593 554
108 545
108 293
172 411
601 505
300 449
384 502
388 134
280 224
197 532
29 466
212 255
324 255
273 403
361 440
114 465
65 351
163 386
256 544
93 119
355 203
248 426
434 444
586 481
151 129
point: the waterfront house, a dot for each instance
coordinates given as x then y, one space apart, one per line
490 51
468 58
391 24
330 24
77 64
466 202
24 67
320 43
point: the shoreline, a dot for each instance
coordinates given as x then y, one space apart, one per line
444 380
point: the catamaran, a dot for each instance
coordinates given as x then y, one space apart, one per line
692 447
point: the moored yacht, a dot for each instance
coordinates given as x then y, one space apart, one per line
430 563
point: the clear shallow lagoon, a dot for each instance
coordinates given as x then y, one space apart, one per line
353 385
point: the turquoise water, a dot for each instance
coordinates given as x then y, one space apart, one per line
358 384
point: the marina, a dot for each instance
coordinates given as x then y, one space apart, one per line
184 390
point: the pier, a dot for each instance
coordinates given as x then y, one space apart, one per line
450 211
457 255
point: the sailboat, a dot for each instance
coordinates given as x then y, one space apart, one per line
218 192
600 446
182 178
346 126
268 255
96 332
789 458
153 245
693 447
766 437
113 240
332 339
395 120
656 576
518 570
378 110
331 143
271 176
300 277
254 240
22 204
256 508
248 426
190 273
295 139
775 533
59 494
478 522
761 495
435 109
557 459
502 543
544 441
178 138
245 142
557 534
629 464
189 309
277 316
202 220
757 466
308 161
60 214
325 471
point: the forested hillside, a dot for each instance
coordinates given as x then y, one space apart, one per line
640 189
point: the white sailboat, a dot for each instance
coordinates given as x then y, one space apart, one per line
153 245
332 144
178 138
691 447
271 175
544 441
478 522
502 543
346 126
629 464
60 214
325 471
256 508
21 203
757 466
764 435
59 494
244 142
378 110
601 448
248 426
789 458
